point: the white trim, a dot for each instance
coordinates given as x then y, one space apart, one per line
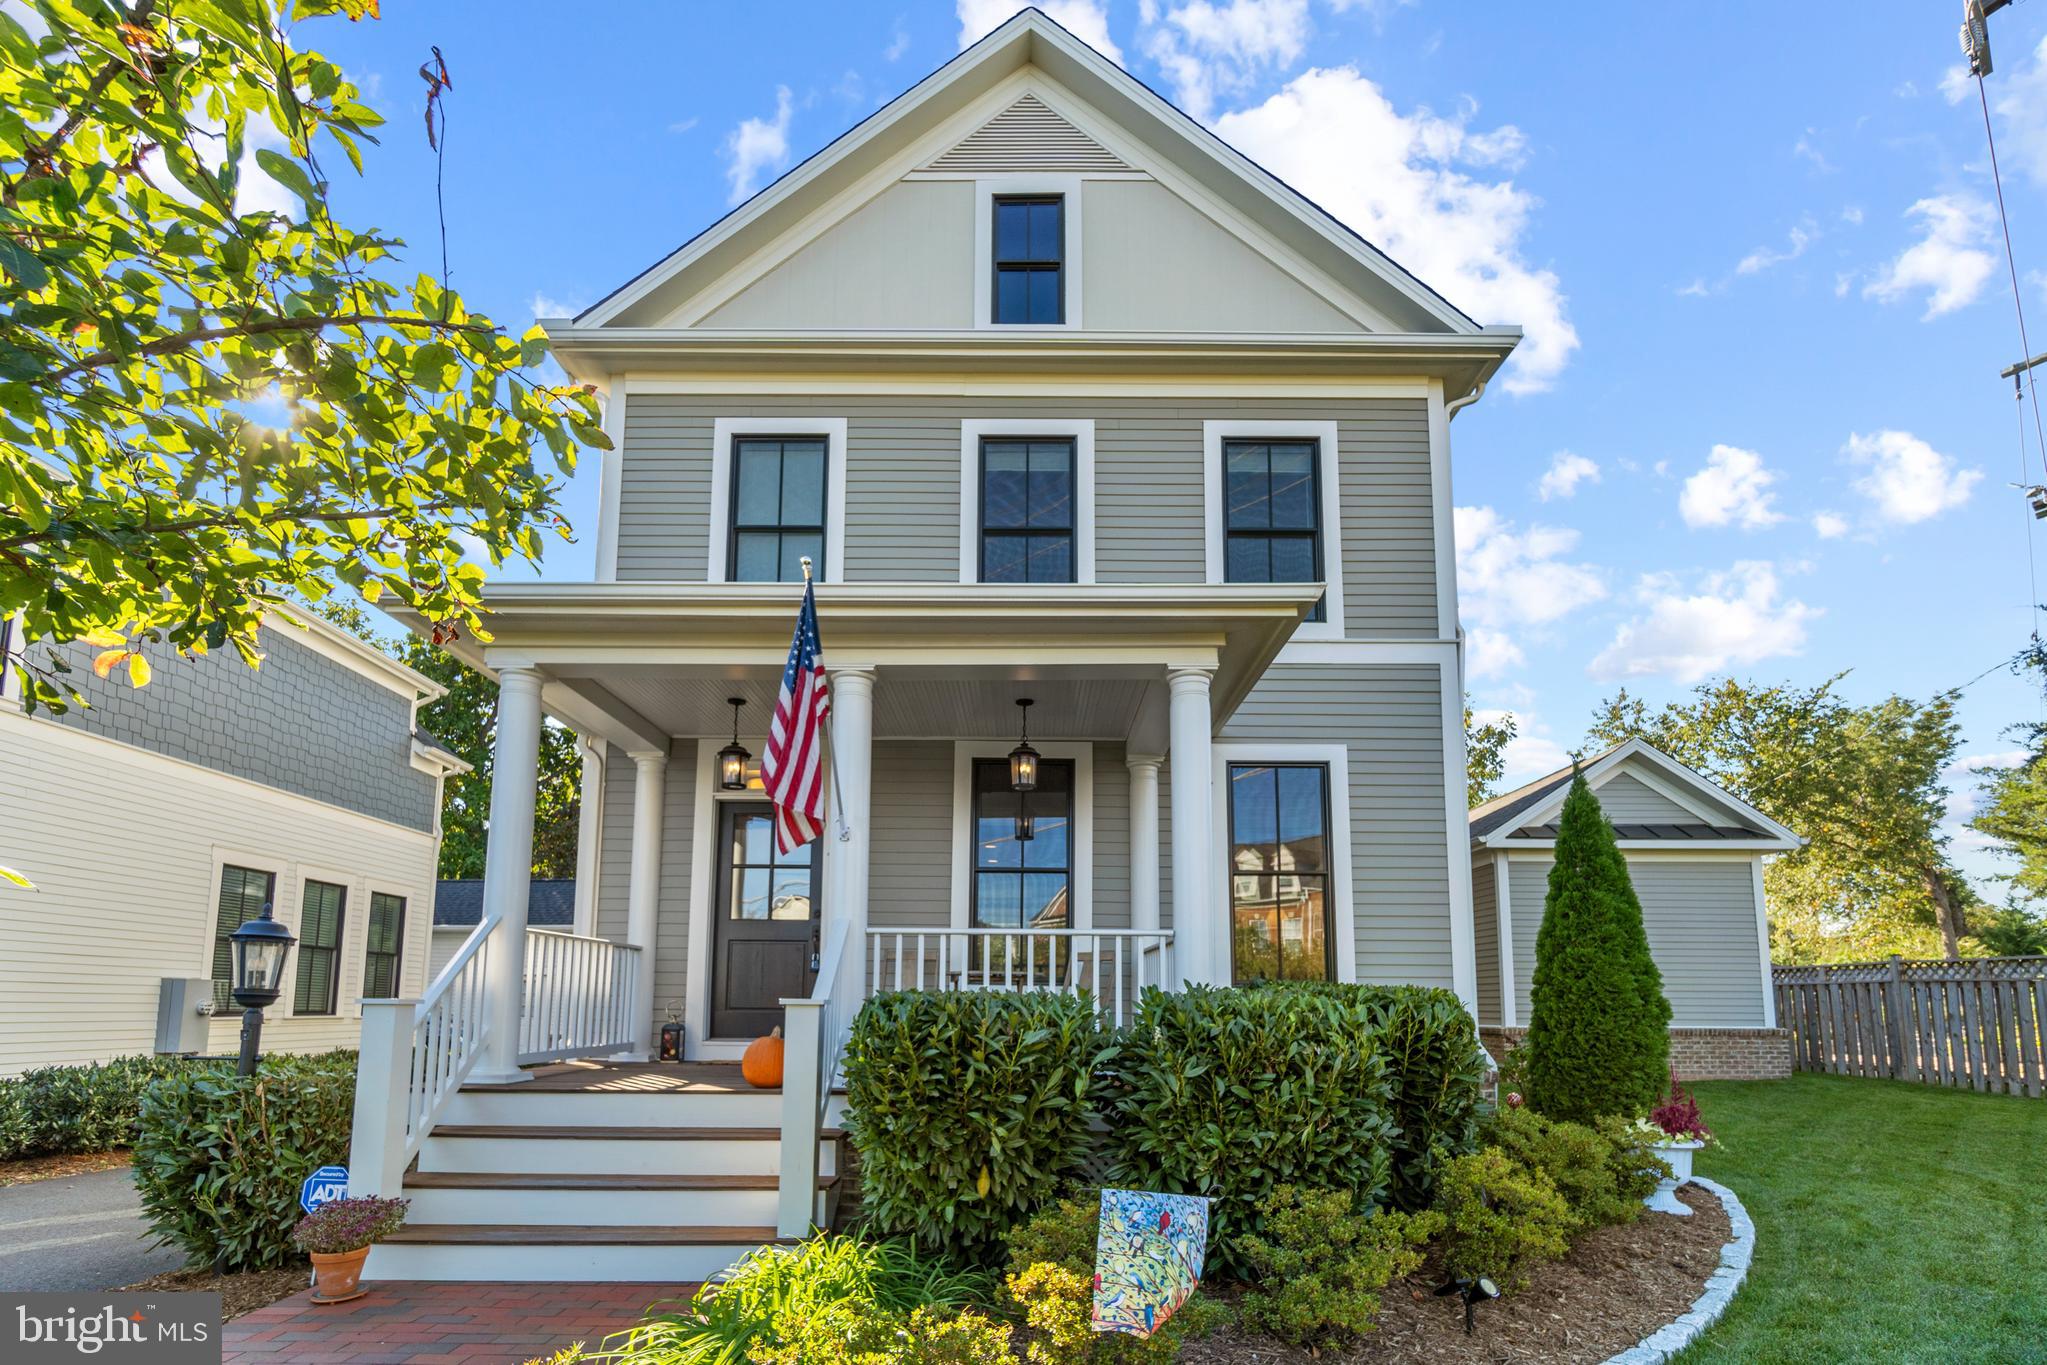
611 483
1778 838
1082 754
1328 474
1763 948
1510 1006
1443 522
1081 430
1457 840
1004 386
353 902
1335 758
723 430
372 886
223 855
698 1044
986 189
590 834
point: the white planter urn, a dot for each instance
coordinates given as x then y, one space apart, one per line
1679 1157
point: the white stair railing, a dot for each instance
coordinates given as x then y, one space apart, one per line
415 1054
814 1029
579 996
1111 965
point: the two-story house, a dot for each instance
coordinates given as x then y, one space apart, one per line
153 821
1068 403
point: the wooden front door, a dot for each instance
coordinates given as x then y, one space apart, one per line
766 928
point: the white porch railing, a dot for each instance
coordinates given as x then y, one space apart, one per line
814 1029
1112 965
579 996
414 1056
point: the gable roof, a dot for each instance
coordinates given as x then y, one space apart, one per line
458 903
1031 39
1526 816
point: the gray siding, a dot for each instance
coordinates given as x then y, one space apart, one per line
1626 798
903 489
1701 918
678 832
909 875
1485 936
301 723
1391 721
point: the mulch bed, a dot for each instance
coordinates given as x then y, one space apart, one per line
34 1168
240 1292
1617 1286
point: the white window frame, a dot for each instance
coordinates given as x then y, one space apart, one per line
224 856
723 430
347 1003
408 952
1079 430
1335 759
1328 474
989 188
1082 755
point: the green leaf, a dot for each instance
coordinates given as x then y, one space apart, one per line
291 175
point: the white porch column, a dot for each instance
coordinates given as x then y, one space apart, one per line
643 891
1194 910
508 869
853 756
1144 839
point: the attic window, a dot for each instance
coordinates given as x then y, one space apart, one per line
1030 259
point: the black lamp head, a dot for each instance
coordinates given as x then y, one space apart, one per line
733 758
259 947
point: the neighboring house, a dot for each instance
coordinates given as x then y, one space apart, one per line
156 819
1695 853
1067 401
458 909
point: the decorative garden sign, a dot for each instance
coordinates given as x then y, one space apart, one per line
1147 1258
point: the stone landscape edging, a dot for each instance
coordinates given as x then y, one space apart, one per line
1667 1340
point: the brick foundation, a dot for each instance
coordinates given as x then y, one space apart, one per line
1700 1054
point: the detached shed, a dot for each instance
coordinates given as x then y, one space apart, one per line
1695 852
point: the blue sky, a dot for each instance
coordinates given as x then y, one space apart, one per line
1756 427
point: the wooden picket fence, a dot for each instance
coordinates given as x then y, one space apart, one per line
1978 1024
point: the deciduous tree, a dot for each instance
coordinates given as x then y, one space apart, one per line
1485 755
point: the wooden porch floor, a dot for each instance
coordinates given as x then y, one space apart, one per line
642 1078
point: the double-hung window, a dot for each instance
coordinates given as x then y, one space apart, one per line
1022 884
321 911
1279 872
1272 524
1030 259
1027 510
244 892
383 947
778 508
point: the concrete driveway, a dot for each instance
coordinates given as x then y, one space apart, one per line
77 1232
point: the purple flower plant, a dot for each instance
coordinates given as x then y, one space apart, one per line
343 1225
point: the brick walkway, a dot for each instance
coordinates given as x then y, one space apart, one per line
476 1324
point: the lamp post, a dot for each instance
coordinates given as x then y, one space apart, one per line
260 947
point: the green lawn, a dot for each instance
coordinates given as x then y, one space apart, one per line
1894 1222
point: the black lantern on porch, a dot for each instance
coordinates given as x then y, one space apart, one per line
259 949
1023 759
733 758
1026 823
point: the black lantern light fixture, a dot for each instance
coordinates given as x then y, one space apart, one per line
1023 759
1026 823
733 758
259 949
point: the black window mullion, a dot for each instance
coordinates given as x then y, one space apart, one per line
780 530
1270 533
1028 530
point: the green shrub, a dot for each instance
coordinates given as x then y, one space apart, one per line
844 1335
1434 1061
1501 1218
1598 1024
1321 1266
1637 1170
62 1110
220 1157
1579 1161
968 1109
1229 1092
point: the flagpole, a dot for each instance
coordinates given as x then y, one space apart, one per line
831 748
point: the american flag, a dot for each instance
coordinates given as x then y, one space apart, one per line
792 769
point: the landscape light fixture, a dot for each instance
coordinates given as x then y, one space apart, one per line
1023 759
258 950
1473 1292
732 759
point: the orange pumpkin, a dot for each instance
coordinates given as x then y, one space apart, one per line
762 1062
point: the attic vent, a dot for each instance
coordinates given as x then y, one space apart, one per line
1027 136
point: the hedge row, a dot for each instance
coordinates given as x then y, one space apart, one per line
66 1110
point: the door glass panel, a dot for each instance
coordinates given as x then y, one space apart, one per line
752 892
753 839
791 894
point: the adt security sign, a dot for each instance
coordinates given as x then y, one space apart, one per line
323 1186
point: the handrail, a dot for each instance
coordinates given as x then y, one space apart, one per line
578 996
814 1028
1114 966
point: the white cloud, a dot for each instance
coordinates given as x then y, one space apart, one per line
898 45
1695 290
1488 653
545 305
1802 235
1907 480
1955 83
1726 620
1733 489
1807 149
2022 109
1829 525
1948 261
1509 579
1405 181
1087 20
683 125
1566 471
1852 215
1205 48
757 146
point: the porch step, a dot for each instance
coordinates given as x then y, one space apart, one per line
699 1107
554 1199
619 1150
510 1252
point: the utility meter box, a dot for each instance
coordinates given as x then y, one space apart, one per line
183 1006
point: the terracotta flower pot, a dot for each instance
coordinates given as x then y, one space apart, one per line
337 1278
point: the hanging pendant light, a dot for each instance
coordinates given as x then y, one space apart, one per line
1026 823
732 759
1023 759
